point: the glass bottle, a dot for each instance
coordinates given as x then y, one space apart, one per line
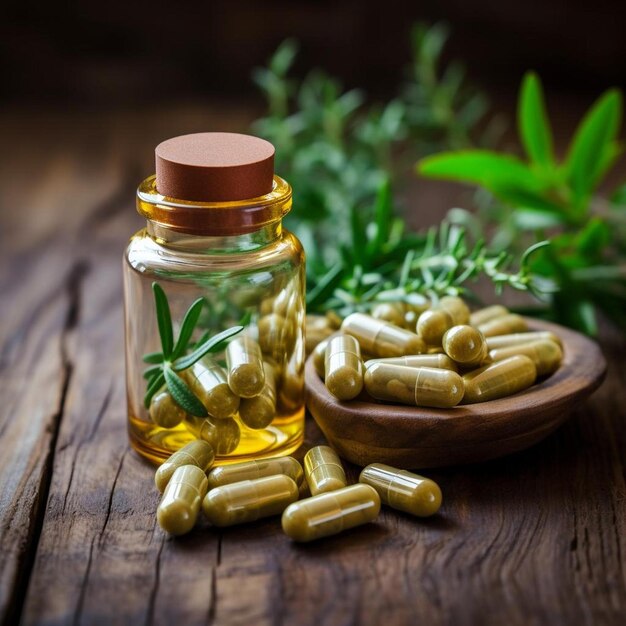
206 237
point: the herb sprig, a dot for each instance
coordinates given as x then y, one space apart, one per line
174 356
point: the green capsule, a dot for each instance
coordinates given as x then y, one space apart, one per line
433 324
504 325
343 367
500 379
244 362
331 513
403 490
276 336
319 358
291 393
258 412
415 386
208 381
504 341
223 434
457 309
164 412
545 354
440 361
249 500
258 468
198 453
323 470
482 316
317 330
392 312
465 345
178 510
381 339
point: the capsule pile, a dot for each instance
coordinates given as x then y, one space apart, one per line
252 490
435 356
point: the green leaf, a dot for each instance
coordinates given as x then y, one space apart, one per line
383 215
593 239
187 361
182 394
153 387
151 371
153 357
187 327
164 320
594 137
533 123
325 286
283 57
481 167
531 219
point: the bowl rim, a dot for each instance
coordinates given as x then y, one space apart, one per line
549 393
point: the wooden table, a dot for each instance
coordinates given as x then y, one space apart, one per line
535 538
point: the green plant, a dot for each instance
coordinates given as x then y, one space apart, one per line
542 195
175 356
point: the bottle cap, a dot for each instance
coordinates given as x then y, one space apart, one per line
214 167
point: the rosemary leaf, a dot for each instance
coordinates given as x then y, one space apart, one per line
182 394
153 387
187 328
187 361
164 320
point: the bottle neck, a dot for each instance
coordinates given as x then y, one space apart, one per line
199 244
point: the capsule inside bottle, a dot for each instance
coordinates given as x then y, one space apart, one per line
343 367
198 453
331 513
222 434
258 412
164 411
257 468
249 500
545 354
403 490
500 379
382 339
415 386
178 511
244 361
323 470
208 381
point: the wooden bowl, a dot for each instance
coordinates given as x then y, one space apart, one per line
366 432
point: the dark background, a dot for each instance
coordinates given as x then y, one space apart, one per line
122 52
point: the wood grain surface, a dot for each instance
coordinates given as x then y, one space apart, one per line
538 537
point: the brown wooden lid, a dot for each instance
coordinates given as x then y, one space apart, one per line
214 167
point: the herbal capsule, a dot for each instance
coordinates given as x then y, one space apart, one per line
381 339
504 341
334 320
392 312
487 314
343 367
319 358
208 381
223 435
276 335
500 379
317 330
258 468
330 513
245 367
432 325
323 470
415 386
164 412
403 490
291 391
440 361
198 453
457 309
178 510
249 500
545 354
258 412
465 345
504 325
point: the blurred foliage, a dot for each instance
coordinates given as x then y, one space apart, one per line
341 157
541 195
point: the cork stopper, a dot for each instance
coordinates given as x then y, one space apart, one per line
214 167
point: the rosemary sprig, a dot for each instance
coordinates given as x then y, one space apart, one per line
165 365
